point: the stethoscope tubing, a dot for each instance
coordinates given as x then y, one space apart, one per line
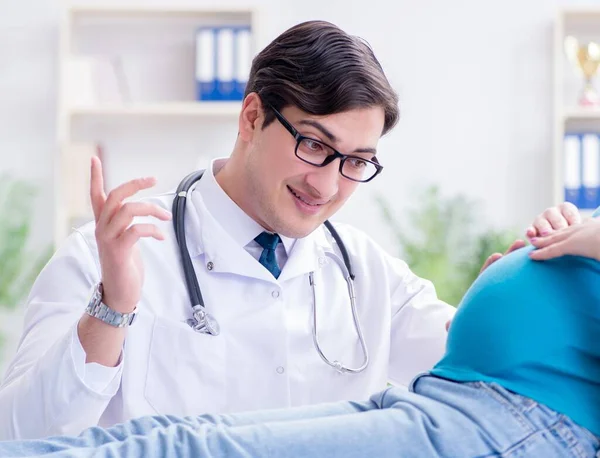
203 321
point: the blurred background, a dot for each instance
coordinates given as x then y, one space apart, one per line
494 124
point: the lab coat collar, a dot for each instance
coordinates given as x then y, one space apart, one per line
241 227
307 255
205 235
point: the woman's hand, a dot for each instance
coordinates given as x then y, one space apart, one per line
578 240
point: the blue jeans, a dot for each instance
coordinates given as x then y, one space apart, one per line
435 418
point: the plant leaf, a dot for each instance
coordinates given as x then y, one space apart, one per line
446 243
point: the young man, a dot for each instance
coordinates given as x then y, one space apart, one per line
519 379
316 104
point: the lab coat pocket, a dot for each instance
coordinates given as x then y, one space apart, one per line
186 370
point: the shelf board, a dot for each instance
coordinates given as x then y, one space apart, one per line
132 10
581 113
580 11
229 109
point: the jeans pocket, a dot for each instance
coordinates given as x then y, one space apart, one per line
518 401
586 438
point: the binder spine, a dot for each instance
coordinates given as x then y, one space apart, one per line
206 64
590 171
243 60
225 63
572 169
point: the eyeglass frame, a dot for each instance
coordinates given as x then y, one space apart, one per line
330 158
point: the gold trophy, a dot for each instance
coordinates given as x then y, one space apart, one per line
586 57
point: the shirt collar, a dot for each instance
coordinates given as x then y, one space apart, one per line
240 227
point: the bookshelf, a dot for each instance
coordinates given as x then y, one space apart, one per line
569 116
119 63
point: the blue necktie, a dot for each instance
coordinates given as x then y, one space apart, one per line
269 242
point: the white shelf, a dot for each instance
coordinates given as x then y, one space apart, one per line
584 12
183 109
162 11
581 113
583 23
81 37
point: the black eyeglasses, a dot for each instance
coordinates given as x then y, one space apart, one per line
319 154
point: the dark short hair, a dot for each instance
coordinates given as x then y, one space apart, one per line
320 69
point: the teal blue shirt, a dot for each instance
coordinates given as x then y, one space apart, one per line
534 328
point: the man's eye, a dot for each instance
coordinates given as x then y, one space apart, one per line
314 145
358 163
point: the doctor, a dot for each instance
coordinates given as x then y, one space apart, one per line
110 333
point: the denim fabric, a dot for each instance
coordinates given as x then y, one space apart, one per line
434 418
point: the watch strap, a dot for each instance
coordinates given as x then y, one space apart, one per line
103 312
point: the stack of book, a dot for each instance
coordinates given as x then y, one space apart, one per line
582 169
223 60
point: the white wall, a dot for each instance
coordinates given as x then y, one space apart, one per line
475 84
474 79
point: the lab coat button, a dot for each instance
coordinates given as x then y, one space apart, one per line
210 266
322 260
280 370
275 294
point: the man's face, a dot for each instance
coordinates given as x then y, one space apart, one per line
291 197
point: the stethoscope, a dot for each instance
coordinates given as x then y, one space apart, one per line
203 322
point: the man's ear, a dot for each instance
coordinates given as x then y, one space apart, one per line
251 116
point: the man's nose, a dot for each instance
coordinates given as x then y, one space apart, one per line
325 180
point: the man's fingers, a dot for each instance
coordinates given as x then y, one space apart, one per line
516 245
549 252
97 195
490 260
138 231
119 194
570 213
130 210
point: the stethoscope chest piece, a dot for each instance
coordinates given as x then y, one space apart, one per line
204 322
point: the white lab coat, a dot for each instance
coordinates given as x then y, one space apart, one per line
264 356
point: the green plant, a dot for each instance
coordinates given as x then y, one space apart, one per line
444 241
18 265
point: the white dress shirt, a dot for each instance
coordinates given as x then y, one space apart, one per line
264 356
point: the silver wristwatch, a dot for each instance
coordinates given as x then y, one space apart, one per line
103 312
